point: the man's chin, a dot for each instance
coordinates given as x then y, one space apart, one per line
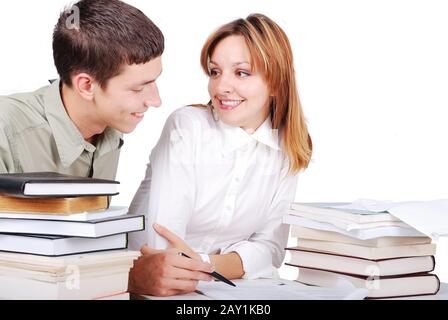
125 130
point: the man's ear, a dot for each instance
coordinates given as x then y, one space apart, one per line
84 85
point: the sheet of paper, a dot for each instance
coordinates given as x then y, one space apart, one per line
429 217
269 289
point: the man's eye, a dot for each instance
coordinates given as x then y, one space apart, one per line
137 90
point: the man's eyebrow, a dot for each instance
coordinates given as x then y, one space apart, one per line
149 81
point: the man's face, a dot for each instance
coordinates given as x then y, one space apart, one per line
122 104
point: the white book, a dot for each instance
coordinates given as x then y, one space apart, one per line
381 287
113 211
74 288
83 276
67 273
85 229
59 246
366 252
362 234
359 266
17 264
338 210
322 235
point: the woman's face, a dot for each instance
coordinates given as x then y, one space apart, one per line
239 95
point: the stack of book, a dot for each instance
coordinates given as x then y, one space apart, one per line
60 239
338 245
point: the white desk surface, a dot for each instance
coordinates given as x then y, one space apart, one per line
441 295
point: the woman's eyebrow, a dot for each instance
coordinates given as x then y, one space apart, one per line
233 65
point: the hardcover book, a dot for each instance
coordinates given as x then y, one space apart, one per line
52 184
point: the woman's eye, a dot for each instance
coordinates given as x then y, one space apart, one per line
243 74
213 72
137 90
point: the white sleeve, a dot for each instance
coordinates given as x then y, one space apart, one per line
166 196
263 252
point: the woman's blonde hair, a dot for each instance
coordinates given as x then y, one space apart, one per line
271 54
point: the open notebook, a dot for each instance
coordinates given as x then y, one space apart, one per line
273 289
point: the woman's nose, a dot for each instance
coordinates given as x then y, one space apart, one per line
224 84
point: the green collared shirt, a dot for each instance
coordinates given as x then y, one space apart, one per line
36 134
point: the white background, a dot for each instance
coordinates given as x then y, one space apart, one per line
372 75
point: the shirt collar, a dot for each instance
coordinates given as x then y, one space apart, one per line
236 137
111 139
69 141
268 136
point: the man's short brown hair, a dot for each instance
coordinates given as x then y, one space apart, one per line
104 36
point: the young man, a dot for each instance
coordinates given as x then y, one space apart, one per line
108 56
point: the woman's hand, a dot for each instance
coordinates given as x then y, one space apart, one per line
165 272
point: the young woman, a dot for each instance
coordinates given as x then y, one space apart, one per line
222 175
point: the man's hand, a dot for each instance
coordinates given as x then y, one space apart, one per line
175 242
165 272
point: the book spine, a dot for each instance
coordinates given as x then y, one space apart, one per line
10 186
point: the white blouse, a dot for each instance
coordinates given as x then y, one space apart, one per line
219 188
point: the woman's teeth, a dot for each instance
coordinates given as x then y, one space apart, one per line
231 103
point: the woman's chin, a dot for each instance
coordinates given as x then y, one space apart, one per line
230 121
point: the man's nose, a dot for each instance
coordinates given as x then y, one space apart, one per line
153 97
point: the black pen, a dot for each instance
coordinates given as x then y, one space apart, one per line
214 274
